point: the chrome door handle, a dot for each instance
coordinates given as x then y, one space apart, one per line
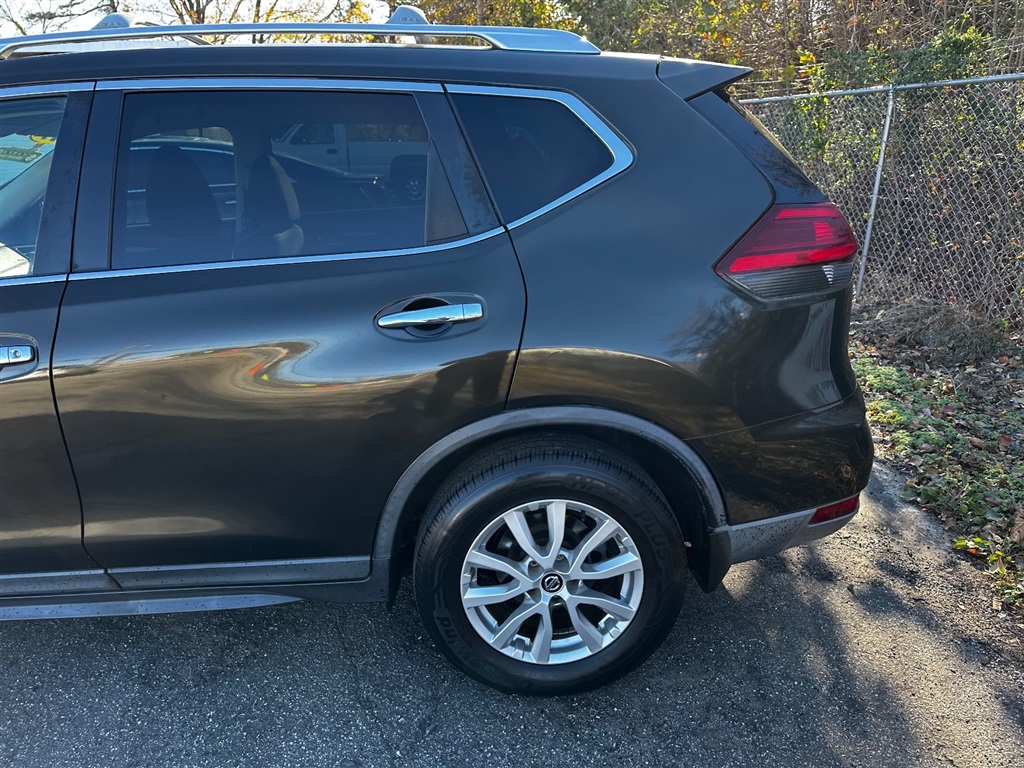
17 355
448 313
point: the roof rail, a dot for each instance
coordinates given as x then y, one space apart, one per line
407 21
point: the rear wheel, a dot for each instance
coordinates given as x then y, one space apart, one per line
549 565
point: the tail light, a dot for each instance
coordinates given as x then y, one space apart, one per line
791 251
833 511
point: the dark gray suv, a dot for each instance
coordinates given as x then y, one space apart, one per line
544 327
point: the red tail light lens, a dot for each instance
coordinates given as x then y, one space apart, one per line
789 236
792 236
832 511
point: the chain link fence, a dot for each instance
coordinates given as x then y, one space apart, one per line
931 177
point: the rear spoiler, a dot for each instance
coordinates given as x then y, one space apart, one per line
688 78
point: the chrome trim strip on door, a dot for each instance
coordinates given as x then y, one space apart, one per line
622 154
319 259
266 84
43 89
30 280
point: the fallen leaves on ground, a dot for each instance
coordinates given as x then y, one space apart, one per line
957 428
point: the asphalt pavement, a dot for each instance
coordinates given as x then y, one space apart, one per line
876 647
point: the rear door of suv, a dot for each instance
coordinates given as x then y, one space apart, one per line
245 367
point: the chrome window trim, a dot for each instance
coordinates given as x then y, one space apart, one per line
267 83
44 89
621 152
272 262
32 280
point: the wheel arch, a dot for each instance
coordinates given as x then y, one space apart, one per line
674 466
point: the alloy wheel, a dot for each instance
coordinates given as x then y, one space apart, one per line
552 581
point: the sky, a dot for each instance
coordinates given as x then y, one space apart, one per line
18 8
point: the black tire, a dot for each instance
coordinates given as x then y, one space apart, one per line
528 469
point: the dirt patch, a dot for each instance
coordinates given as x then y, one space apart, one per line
943 333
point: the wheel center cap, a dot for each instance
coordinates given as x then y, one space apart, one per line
551 582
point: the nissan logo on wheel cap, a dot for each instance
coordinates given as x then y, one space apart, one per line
551 583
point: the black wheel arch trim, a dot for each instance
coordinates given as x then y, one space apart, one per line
394 515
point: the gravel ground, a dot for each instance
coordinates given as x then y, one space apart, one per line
875 647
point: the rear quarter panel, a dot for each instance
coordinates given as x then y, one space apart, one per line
626 312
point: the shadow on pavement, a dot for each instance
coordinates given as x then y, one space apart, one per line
750 676
831 655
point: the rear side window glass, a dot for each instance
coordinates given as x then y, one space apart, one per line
208 176
29 131
532 151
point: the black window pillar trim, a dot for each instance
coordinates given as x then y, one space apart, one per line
55 227
91 246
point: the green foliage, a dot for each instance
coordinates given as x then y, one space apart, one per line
953 53
957 444
1001 566
506 13
784 44
789 43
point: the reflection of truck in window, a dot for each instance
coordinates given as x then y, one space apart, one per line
358 149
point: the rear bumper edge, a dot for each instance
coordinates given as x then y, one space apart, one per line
764 538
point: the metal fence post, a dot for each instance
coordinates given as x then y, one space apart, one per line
874 192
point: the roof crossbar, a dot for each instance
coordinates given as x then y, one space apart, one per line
407 21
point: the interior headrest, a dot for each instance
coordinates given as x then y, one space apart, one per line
270 198
178 196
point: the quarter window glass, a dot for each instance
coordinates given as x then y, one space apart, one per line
29 131
214 176
532 151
